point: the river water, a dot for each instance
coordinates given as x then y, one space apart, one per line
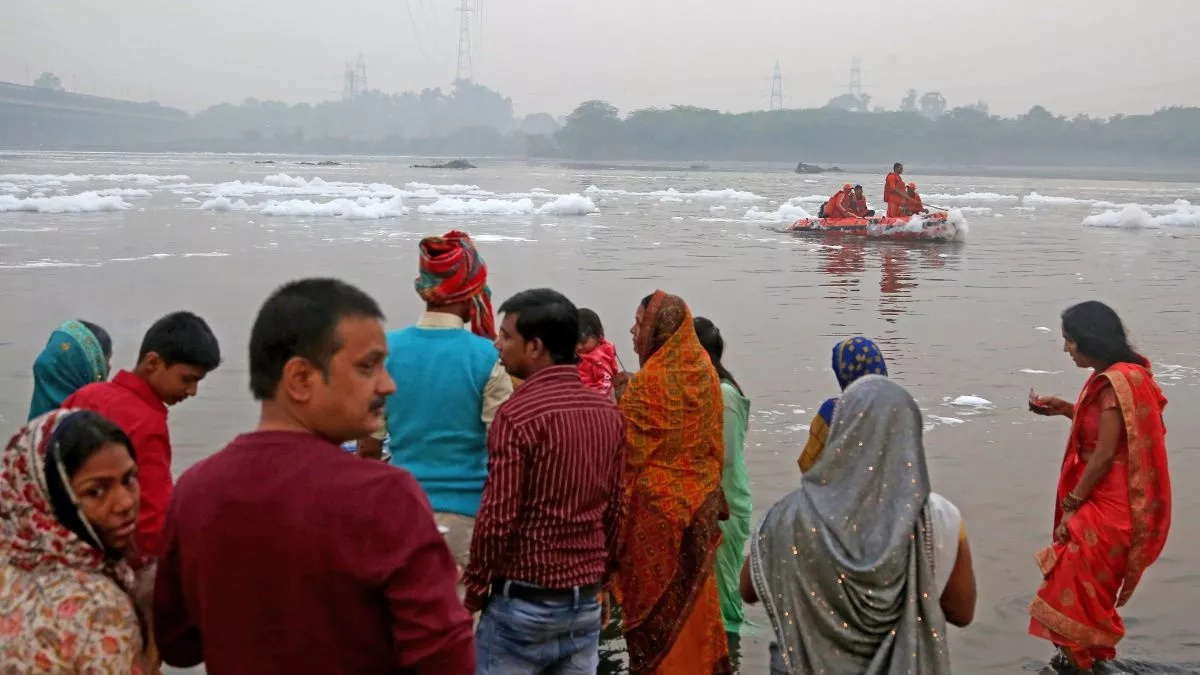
977 317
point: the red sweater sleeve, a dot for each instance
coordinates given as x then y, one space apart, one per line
177 638
153 448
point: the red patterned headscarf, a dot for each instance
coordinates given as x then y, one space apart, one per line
452 271
31 535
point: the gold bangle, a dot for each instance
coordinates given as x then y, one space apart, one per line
1071 502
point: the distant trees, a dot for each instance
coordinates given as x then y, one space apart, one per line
48 80
968 134
933 104
371 114
539 124
909 104
851 103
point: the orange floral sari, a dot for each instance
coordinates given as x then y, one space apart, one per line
665 582
1121 528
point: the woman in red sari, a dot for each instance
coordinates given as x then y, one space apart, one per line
1113 508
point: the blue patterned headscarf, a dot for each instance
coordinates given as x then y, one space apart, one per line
72 359
853 358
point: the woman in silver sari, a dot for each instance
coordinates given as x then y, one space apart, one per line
862 567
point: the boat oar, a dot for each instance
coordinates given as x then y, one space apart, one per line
939 208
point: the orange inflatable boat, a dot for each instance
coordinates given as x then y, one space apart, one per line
934 226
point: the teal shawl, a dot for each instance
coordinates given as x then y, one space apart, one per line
72 359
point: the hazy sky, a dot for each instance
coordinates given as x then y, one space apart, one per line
1090 56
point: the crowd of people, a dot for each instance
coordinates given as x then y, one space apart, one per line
511 485
902 200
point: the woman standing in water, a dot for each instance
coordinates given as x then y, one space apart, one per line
734 481
78 354
68 505
852 358
861 569
1113 507
665 581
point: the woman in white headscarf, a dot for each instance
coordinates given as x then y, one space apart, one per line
862 567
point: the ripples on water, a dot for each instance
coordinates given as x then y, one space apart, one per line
952 320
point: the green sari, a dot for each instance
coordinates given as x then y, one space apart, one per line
736 530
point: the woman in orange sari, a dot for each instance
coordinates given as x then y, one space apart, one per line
666 582
1113 509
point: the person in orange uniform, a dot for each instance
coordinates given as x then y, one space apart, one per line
857 203
838 204
913 205
894 194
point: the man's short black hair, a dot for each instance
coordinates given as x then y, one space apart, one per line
589 325
300 319
897 165
857 187
547 315
182 338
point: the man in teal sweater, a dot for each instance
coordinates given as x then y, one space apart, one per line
449 384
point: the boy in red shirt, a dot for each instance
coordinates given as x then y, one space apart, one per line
597 356
177 352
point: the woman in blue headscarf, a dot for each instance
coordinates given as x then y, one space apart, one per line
852 358
77 355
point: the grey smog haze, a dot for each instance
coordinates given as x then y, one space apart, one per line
1072 56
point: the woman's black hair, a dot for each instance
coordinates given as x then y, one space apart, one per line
101 336
714 344
78 436
1098 334
589 325
646 301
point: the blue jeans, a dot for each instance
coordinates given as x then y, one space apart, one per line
523 637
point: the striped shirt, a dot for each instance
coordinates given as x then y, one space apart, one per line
551 508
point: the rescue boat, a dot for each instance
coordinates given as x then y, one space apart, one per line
934 227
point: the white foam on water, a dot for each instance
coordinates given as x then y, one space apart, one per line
717 209
568 205
84 202
969 401
563 205
58 179
810 199
950 421
970 197
456 206
1044 329
1181 214
975 209
785 213
363 208
453 189
728 194
284 180
1035 199
189 200
669 200
46 263
224 205
125 192
1031 371
497 238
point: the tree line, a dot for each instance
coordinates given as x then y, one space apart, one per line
596 130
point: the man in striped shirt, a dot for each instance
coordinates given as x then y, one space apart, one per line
546 536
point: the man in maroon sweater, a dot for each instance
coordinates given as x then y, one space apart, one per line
285 554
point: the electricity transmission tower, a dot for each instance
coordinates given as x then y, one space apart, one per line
354 79
464 42
855 88
777 89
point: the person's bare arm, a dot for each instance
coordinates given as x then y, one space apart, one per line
746 585
959 597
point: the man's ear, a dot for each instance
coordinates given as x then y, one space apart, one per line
297 380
